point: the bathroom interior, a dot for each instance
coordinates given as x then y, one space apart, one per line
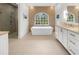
44 28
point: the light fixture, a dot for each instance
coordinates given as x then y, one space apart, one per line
65 14
32 7
77 7
51 7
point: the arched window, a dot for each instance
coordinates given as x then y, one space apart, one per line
41 18
71 17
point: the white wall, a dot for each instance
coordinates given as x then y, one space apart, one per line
22 22
60 8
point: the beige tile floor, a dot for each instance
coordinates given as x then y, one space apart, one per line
36 45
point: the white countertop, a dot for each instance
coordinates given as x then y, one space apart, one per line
3 32
74 29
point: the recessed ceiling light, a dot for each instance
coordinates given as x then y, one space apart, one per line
32 7
51 7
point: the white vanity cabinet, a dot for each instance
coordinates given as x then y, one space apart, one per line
73 42
57 32
68 38
60 35
3 43
65 37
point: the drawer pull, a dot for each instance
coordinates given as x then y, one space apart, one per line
72 35
72 42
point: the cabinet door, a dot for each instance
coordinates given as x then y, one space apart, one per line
56 32
64 37
72 48
4 44
60 34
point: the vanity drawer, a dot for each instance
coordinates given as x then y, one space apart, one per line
73 49
74 42
73 35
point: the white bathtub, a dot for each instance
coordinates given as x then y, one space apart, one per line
41 30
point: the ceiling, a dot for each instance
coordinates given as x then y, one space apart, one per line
40 4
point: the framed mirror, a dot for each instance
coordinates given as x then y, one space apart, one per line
73 12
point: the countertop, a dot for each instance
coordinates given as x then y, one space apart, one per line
3 32
74 29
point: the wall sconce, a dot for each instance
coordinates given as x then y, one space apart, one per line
77 7
57 16
25 16
51 7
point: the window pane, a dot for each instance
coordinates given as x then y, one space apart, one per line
46 21
41 19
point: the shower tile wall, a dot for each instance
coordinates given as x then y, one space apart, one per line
8 19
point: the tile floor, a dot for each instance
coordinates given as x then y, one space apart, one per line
36 45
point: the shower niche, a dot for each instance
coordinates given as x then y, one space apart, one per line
41 18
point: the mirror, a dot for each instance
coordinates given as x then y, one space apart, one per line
73 14
71 17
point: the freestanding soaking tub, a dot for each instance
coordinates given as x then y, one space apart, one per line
41 30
